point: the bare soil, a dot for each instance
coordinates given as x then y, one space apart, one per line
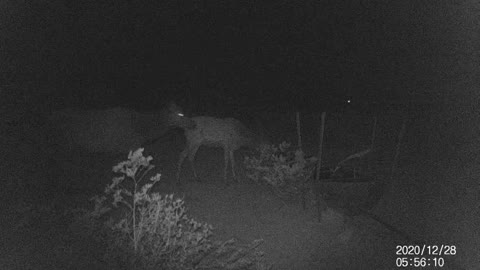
41 238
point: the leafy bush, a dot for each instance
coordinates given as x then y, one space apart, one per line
282 167
154 231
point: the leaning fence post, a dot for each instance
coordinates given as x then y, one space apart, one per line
299 134
321 204
320 146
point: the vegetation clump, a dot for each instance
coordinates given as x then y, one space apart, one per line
154 231
282 167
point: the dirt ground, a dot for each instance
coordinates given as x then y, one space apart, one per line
293 238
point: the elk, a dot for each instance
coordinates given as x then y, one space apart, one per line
114 130
229 134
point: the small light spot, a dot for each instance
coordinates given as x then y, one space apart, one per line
180 114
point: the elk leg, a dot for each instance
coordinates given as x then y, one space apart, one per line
225 171
191 156
232 160
182 157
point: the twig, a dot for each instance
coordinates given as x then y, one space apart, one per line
356 155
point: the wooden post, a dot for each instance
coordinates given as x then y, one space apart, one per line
321 204
303 187
320 146
299 134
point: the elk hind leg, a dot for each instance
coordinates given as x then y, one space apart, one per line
191 156
225 170
182 157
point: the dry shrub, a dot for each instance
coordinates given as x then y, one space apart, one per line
282 167
155 232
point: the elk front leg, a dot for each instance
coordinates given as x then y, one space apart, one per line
191 156
232 160
182 157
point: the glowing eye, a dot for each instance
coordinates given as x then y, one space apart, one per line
180 114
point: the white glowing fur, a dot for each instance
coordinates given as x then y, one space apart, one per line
229 134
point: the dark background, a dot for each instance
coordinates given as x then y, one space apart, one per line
243 52
241 56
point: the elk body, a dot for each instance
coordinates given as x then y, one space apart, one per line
229 134
115 130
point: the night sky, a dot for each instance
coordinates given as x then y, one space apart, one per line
302 54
